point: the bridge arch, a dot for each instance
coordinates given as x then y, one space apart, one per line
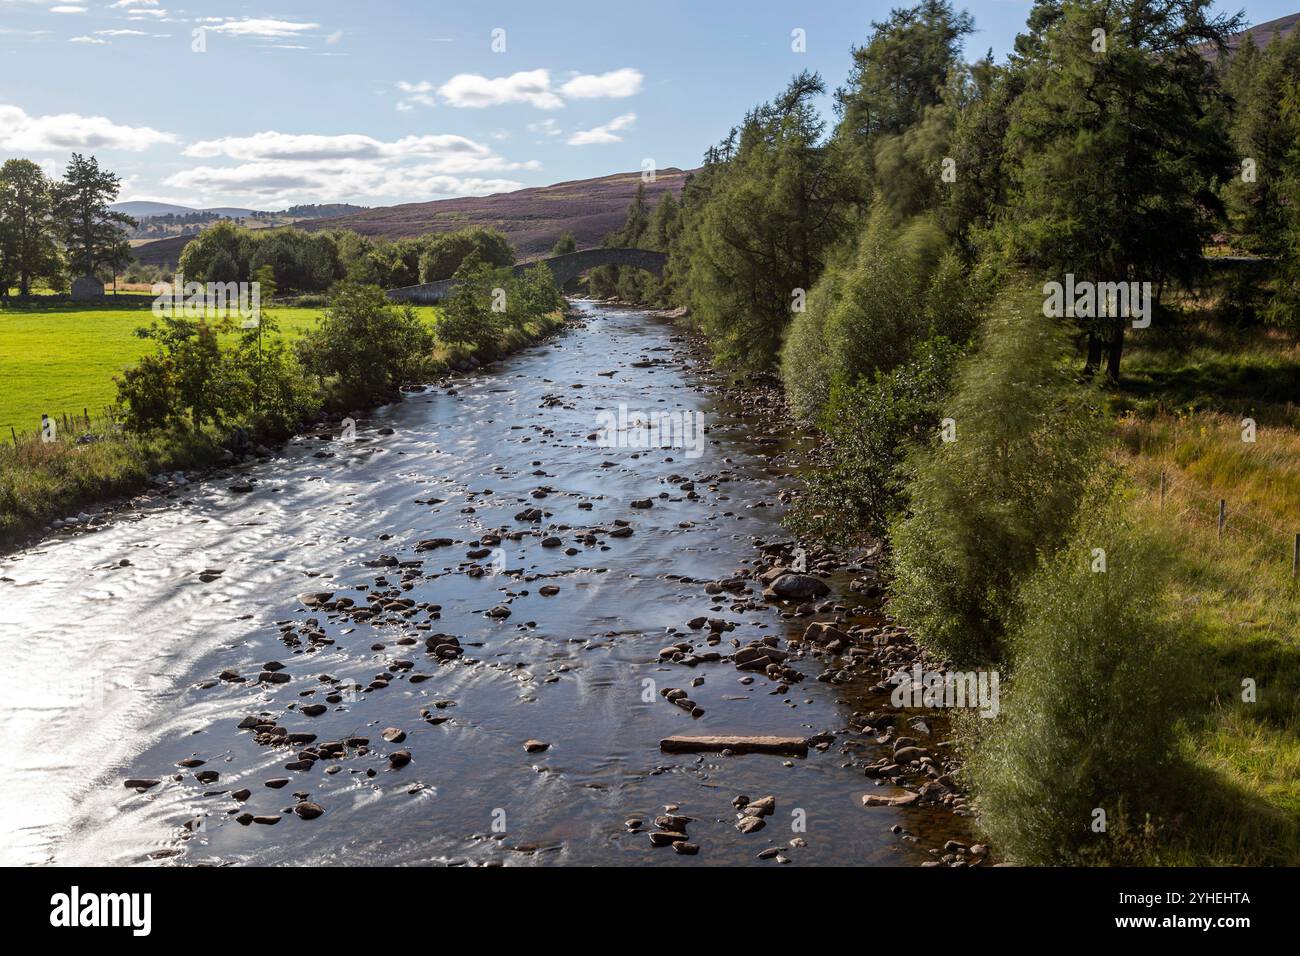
565 267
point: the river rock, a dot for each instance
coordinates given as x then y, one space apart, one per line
798 587
790 746
308 810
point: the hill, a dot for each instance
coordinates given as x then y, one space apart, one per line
1261 33
532 219
144 209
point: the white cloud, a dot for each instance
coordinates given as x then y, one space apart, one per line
547 127
121 33
272 145
95 40
282 183
122 4
334 37
416 94
615 84
474 91
65 131
284 167
261 28
534 87
603 134
67 9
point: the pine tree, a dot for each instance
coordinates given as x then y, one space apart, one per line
1118 148
93 234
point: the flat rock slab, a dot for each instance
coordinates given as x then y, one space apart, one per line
788 746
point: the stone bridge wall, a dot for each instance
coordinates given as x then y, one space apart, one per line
564 268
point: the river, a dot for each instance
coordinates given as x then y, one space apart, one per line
114 641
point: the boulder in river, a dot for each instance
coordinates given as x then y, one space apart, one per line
798 587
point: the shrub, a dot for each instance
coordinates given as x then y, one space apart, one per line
533 295
367 346
187 375
984 507
868 312
869 426
468 317
1090 719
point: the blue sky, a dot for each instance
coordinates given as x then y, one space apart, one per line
388 101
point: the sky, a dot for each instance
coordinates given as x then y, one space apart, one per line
268 103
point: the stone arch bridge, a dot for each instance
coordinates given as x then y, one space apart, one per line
565 267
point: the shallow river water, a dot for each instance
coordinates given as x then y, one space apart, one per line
113 667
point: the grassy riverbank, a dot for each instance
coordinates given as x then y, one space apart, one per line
43 481
61 358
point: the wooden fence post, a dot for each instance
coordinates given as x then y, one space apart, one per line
1222 509
1162 487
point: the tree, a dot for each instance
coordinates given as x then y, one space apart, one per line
565 244
900 73
27 245
208 256
447 251
761 235
1284 308
366 344
468 317
1116 147
94 234
1264 134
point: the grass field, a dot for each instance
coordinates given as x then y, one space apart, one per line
62 359
1234 594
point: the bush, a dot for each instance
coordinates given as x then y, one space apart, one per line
1090 718
267 385
257 382
867 314
984 507
869 427
187 376
468 316
367 346
533 295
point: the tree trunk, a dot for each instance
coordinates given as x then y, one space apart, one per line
1115 349
1094 355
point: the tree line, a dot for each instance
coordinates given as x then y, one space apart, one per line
312 262
1115 142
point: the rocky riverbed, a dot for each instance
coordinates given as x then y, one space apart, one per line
481 633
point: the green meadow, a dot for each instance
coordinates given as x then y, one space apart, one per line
62 358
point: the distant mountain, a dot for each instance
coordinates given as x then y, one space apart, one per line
1261 33
143 209
532 219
